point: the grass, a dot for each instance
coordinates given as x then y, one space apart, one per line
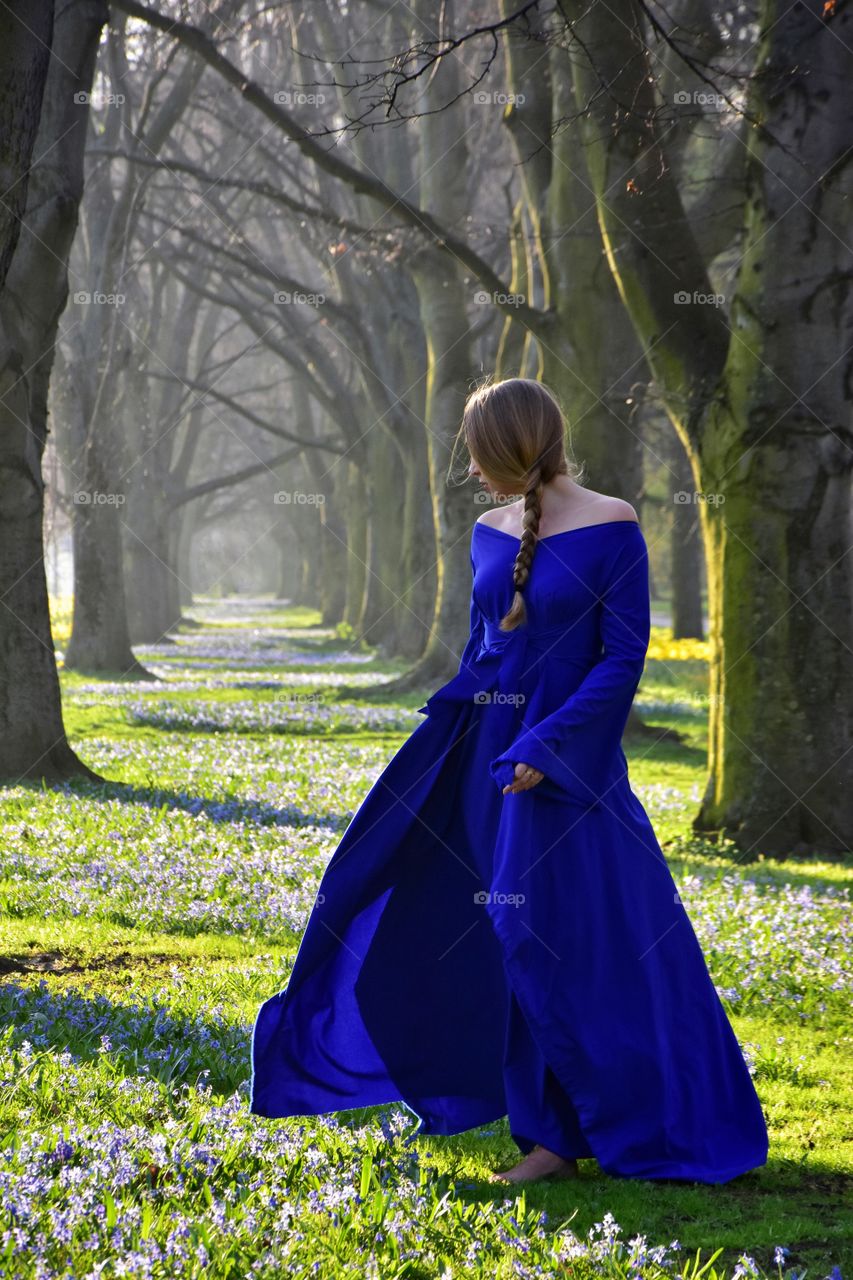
143 922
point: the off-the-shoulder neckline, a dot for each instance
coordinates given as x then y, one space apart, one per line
481 524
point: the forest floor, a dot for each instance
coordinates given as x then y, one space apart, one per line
143 922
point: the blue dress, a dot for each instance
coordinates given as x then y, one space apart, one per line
478 955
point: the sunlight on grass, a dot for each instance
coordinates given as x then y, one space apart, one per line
144 920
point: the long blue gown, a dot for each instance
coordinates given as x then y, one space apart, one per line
476 955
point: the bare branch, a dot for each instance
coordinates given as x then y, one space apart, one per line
329 161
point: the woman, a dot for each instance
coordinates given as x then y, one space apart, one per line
498 933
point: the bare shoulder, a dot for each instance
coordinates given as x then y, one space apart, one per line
496 516
592 508
601 508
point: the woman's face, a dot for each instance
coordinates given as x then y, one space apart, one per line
475 472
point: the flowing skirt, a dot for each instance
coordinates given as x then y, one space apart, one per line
475 956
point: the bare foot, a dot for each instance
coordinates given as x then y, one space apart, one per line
540 1163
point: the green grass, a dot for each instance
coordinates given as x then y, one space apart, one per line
144 921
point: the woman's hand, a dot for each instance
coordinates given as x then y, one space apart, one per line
525 778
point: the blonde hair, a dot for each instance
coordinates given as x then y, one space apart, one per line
517 433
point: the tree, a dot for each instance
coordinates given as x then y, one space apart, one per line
110 404
48 69
759 397
450 509
740 394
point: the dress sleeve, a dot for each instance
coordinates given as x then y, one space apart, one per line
578 746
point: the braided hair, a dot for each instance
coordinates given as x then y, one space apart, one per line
516 430
524 559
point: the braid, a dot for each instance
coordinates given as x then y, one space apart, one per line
527 546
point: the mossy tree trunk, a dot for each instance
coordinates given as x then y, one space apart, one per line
761 403
588 350
687 547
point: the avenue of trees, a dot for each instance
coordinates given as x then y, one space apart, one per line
254 257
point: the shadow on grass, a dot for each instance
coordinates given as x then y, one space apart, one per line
174 1048
173 721
230 809
698 854
697 1214
652 745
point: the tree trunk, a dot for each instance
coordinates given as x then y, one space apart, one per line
100 636
289 570
357 543
99 641
153 608
400 582
418 552
781 700
384 582
517 356
325 583
35 253
445 294
777 455
184 526
761 402
112 382
32 737
24 62
589 353
329 585
687 549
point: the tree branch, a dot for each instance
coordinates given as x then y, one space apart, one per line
252 417
329 161
226 482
